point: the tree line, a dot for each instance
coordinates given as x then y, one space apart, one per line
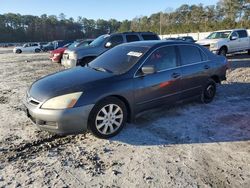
225 14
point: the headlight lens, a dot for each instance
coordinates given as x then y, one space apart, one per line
73 55
62 102
57 54
214 45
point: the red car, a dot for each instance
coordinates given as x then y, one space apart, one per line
56 55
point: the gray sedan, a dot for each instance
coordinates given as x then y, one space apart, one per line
124 81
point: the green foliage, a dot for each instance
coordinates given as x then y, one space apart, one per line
226 14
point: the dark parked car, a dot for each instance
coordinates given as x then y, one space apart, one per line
122 82
187 39
82 56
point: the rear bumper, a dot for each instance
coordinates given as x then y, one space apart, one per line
69 121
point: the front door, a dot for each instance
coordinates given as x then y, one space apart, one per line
162 87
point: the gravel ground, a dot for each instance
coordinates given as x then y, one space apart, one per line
190 145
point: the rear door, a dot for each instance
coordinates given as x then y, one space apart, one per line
195 68
161 87
234 45
243 40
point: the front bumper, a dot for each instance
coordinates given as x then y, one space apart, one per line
69 63
69 121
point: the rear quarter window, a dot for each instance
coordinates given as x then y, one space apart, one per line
190 54
242 33
132 38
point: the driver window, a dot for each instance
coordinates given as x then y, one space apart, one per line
163 58
234 34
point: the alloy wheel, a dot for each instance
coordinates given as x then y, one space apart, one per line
109 119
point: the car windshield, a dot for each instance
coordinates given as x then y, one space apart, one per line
83 44
219 35
119 59
98 41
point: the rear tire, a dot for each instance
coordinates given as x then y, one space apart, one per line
37 50
208 92
107 118
223 51
19 51
248 52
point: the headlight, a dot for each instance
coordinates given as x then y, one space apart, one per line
214 45
57 54
73 55
62 102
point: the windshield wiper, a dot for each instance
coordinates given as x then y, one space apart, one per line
101 69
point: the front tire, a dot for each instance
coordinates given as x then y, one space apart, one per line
37 50
107 118
208 92
223 51
19 51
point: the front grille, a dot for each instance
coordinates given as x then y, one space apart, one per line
207 46
31 100
65 56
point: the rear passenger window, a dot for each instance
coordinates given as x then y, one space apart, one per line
150 37
132 38
163 58
116 40
190 54
242 34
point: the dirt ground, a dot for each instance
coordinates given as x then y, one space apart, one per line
190 145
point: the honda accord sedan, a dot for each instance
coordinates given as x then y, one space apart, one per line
124 81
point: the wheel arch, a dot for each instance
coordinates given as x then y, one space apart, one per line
224 46
216 78
125 101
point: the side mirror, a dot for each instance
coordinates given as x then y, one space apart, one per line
233 38
108 44
149 69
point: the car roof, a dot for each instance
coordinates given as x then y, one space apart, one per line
157 43
229 30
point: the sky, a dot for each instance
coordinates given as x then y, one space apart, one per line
95 9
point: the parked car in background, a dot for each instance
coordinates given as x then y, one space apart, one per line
48 47
56 55
187 39
121 83
170 38
227 41
82 56
27 47
55 44
184 38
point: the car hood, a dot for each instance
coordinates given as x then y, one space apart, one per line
59 50
64 82
86 49
208 41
